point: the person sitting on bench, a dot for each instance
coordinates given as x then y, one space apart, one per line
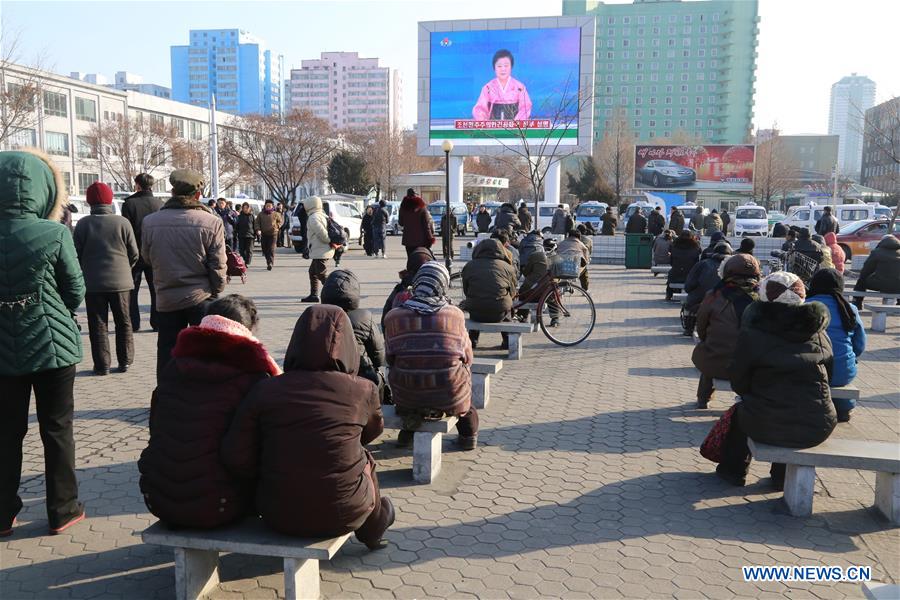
489 283
301 436
534 269
214 365
662 248
881 271
845 330
719 320
400 293
429 355
781 373
685 254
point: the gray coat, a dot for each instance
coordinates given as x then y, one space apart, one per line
107 250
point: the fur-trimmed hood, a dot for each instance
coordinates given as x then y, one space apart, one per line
412 203
30 185
794 323
237 351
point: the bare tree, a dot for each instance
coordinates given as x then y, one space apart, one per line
284 155
530 157
614 155
380 147
20 87
126 146
775 172
194 154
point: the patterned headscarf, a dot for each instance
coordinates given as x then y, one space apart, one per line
429 289
783 287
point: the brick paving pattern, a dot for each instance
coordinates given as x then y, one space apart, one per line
587 481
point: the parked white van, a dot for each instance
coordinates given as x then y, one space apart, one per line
751 219
808 214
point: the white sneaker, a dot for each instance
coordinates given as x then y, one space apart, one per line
384 255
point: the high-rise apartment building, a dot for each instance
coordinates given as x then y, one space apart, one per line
881 146
231 64
669 66
851 97
346 90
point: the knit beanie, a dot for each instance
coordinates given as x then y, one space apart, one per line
783 287
740 266
99 193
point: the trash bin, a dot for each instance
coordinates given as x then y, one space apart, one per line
638 250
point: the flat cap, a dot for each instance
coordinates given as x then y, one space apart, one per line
186 182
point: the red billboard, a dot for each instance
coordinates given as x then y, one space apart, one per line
719 167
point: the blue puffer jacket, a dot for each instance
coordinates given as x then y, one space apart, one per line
847 345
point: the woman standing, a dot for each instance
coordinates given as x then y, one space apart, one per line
41 286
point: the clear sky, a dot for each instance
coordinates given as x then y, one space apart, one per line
804 45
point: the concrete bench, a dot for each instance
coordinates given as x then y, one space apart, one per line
513 329
197 555
845 392
864 455
886 298
664 269
427 440
676 286
482 369
680 296
880 314
874 590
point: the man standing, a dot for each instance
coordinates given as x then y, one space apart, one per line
447 235
525 217
726 221
270 221
610 222
827 224
558 225
135 208
637 223
483 220
657 222
107 252
185 245
676 220
379 229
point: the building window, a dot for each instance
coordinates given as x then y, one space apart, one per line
85 110
637 124
85 180
55 104
56 143
21 138
84 148
652 123
196 131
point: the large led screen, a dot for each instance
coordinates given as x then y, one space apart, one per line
492 87
719 167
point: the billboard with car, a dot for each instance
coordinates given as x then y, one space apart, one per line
699 167
490 84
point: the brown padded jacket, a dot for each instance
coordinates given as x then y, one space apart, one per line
301 435
185 245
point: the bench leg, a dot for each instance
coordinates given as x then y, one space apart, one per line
879 322
515 346
426 456
887 495
799 483
196 572
481 390
301 579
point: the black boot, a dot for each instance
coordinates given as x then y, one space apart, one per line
313 291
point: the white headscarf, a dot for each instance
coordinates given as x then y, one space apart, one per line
783 287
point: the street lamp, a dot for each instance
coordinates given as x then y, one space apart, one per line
447 146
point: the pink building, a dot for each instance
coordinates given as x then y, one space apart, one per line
346 90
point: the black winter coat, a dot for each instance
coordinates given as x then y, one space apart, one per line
483 221
881 271
489 281
676 221
246 227
507 218
827 224
136 207
685 254
106 251
656 223
702 277
781 371
342 289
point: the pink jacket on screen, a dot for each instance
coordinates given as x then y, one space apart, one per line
493 93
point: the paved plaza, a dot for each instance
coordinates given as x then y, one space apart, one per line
587 481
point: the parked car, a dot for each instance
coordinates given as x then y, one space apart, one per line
590 212
393 209
775 217
660 173
858 239
751 219
437 210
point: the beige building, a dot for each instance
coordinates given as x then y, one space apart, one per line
67 112
346 90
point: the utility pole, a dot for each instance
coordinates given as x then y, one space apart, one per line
213 150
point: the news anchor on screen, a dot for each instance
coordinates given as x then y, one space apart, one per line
503 97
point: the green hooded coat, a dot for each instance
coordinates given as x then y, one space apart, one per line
41 284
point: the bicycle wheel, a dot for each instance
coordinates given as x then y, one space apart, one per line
566 314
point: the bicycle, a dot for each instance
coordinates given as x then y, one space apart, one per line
565 312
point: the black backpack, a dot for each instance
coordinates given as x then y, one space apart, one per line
335 233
